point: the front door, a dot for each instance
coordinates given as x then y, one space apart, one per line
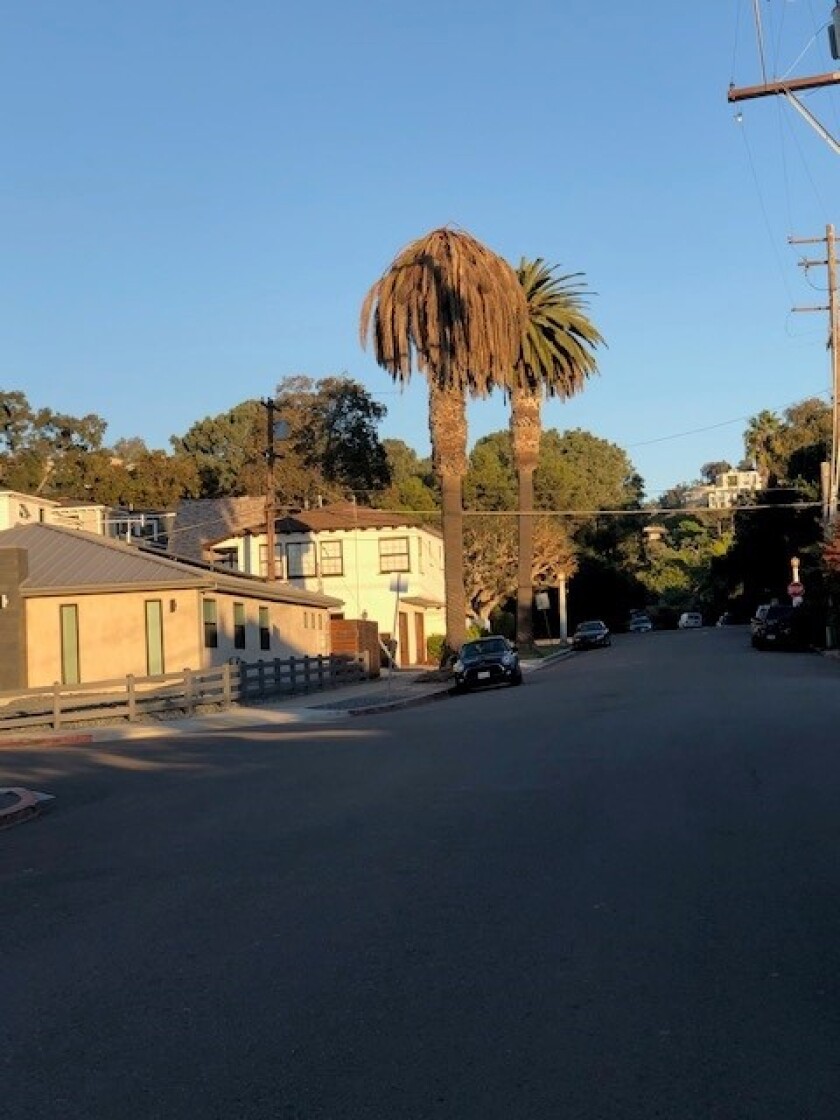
403 652
420 637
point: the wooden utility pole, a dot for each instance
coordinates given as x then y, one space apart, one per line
270 499
831 477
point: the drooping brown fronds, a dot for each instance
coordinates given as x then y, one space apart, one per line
449 307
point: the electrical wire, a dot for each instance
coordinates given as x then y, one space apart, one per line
760 38
767 225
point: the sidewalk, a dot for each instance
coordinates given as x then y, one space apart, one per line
406 689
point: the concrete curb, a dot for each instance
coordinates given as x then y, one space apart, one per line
396 705
27 804
553 659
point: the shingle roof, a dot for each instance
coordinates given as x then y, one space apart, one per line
72 561
346 515
202 521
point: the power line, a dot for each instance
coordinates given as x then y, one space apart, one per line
722 423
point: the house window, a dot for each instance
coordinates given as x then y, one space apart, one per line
69 615
265 629
238 625
211 624
227 558
332 558
420 547
154 638
393 555
300 560
278 560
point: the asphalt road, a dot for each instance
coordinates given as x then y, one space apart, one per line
612 893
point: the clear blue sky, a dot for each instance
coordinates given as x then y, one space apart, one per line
196 196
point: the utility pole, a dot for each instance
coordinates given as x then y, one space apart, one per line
270 500
830 477
790 88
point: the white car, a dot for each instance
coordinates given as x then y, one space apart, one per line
690 620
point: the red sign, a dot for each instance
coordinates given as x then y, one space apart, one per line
795 590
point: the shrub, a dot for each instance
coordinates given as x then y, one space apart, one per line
435 644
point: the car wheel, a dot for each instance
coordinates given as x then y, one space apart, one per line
516 678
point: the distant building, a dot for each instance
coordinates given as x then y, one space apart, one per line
728 490
731 486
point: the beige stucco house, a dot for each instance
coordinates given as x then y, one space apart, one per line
76 607
345 550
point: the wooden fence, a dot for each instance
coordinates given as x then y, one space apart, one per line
132 698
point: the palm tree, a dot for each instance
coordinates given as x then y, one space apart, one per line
456 311
556 358
761 441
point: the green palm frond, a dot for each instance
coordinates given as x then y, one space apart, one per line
557 355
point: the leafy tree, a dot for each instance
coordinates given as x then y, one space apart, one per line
575 471
556 357
227 451
710 472
455 311
491 559
334 433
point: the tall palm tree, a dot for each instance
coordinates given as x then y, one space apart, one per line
456 311
555 360
761 440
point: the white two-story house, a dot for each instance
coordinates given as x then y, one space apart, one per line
355 554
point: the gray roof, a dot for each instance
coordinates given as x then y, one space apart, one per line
199 521
72 561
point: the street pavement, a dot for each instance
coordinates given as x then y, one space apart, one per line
611 893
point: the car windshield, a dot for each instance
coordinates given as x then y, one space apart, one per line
775 612
488 645
587 627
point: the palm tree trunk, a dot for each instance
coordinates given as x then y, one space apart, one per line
525 434
448 428
525 585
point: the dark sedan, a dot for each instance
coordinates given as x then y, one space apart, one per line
591 635
487 661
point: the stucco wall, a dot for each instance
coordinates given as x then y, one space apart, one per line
112 633
364 589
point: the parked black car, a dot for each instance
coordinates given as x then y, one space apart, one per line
780 626
487 661
590 635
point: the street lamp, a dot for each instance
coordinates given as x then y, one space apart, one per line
275 430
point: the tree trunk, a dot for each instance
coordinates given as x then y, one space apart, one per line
448 428
525 589
525 429
453 559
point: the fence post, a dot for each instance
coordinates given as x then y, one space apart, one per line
131 697
261 676
189 691
226 691
292 674
56 705
307 672
278 675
